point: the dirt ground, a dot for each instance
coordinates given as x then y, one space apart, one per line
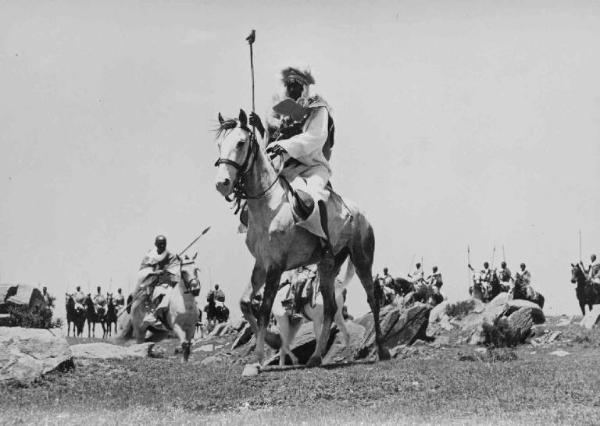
425 384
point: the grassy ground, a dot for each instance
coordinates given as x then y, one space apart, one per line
424 385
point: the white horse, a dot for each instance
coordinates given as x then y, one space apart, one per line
182 313
289 329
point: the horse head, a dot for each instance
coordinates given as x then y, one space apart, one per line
189 274
235 152
577 274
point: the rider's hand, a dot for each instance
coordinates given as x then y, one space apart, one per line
276 150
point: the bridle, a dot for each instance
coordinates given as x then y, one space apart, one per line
188 284
240 191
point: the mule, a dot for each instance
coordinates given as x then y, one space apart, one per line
74 316
278 245
288 328
587 292
182 313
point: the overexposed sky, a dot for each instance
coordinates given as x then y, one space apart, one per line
457 123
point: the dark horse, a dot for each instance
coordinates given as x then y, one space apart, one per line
215 314
75 316
587 292
526 292
111 316
94 317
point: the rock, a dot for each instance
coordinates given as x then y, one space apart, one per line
205 348
563 322
397 328
560 353
538 330
515 304
592 318
303 345
28 353
210 360
243 337
218 329
251 370
521 321
501 299
110 351
438 312
338 351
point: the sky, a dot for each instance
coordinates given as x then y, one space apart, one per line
463 123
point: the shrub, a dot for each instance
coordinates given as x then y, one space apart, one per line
460 309
24 316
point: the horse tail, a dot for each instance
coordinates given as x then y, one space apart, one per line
350 272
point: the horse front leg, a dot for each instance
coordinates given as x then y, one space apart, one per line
256 281
273 277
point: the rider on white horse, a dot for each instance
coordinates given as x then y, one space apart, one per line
300 129
155 280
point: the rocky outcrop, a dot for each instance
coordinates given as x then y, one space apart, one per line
398 327
28 353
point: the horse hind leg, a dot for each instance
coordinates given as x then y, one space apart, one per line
327 277
361 256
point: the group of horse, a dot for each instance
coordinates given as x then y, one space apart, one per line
409 291
79 314
487 290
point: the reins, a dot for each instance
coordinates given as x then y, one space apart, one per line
240 191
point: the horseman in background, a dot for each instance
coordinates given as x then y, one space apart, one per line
417 276
435 279
99 301
388 280
593 271
504 274
155 281
523 275
79 298
48 300
300 129
303 289
119 300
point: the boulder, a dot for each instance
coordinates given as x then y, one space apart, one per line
243 337
338 352
210 360
397 328
28 353
521 321
501 299
438 312
109 351
303 345
592 318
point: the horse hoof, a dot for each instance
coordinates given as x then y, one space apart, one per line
314 361
384 354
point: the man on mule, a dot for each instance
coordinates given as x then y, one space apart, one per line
155 281
300 129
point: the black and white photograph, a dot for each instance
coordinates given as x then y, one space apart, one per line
299 212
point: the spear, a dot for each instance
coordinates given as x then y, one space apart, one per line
493 256
580 246
503 254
